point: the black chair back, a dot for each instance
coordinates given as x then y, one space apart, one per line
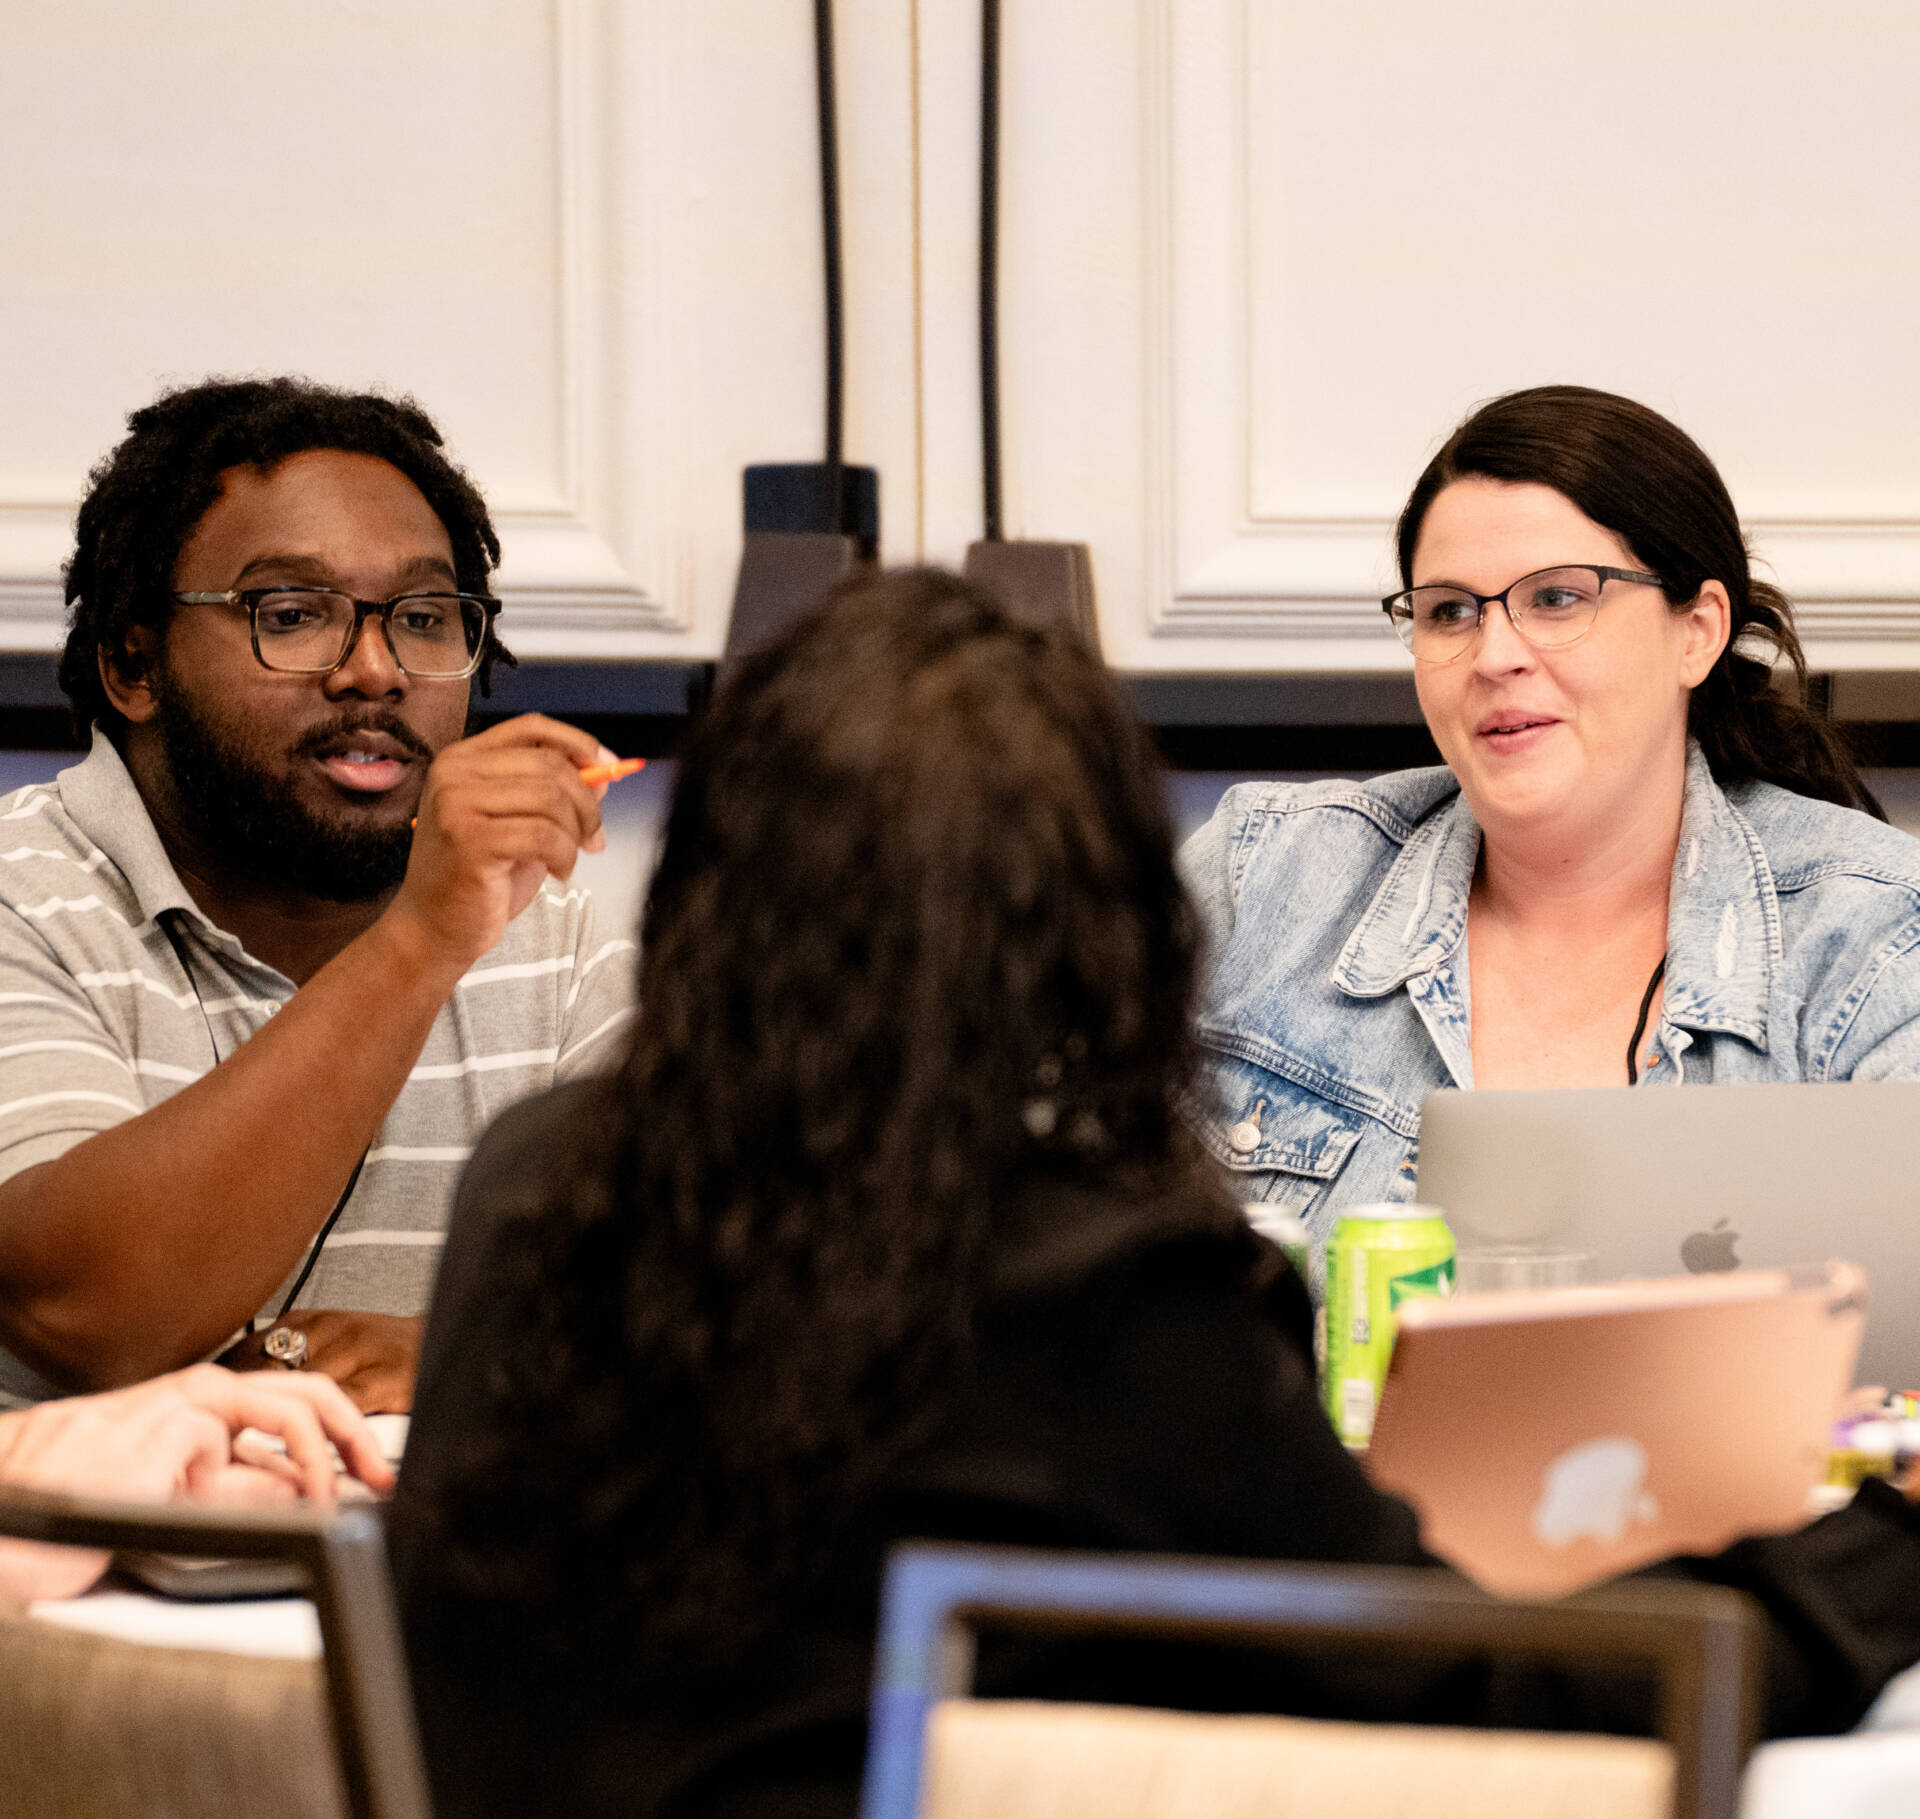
1701 1641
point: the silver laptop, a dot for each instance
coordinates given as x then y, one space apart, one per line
1657 1181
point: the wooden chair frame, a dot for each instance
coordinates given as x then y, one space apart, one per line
1701 1641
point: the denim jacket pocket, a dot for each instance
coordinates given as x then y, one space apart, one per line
1281 1143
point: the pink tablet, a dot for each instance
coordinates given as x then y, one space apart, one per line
1551 1438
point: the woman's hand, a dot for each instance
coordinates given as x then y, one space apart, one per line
179 1436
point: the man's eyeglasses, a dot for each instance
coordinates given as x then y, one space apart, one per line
309 631
1551 608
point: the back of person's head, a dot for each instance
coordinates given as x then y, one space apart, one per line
146 497
922 853
1643 478
916 936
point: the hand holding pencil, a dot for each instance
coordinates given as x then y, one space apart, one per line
499 814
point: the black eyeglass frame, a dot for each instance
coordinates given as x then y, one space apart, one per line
1403 624
252 597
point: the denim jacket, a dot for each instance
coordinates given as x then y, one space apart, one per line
1336 916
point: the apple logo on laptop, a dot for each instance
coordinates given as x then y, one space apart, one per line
1705 1252
1595 1489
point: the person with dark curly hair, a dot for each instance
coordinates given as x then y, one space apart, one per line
889 1224
255 1018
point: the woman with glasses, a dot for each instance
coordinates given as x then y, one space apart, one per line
1641 862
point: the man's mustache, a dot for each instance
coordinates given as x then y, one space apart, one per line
347 725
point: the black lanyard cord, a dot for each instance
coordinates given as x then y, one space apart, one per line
313 1254
1640 1023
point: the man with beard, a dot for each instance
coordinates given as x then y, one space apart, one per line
279 947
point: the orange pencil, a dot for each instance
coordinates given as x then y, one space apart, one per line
593 775
596 774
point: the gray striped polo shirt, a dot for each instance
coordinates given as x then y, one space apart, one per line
115 992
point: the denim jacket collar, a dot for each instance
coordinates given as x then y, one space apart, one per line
1418 916
1723 916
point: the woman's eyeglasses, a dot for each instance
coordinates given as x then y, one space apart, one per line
1550 609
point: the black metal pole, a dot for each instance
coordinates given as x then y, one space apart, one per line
990 268
830 246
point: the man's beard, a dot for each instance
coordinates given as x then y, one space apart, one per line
248 819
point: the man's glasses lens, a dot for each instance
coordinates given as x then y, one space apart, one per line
310 628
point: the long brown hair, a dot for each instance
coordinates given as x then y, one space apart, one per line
1653 486
916 937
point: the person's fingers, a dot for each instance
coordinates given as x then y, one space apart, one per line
310 1413
250 1486
346 1427
257 1451
580 749
381 1389
480 774
265 1402
358 1445
520 842
188 1446
552 793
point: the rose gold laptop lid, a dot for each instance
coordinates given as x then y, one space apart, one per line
1556 1437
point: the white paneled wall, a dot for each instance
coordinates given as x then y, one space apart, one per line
581 233
1258 256
1271 250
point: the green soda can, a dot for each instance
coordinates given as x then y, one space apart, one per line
1378 1257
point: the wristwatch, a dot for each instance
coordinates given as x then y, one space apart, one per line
286 1346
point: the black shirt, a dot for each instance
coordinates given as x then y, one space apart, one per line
1141 1380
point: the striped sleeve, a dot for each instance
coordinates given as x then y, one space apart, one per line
63 1077
598 1005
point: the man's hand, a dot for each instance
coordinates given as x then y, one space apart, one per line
372 1357
178 1436
501 812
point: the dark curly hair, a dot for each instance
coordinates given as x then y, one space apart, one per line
145 498
916 936
1652 485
